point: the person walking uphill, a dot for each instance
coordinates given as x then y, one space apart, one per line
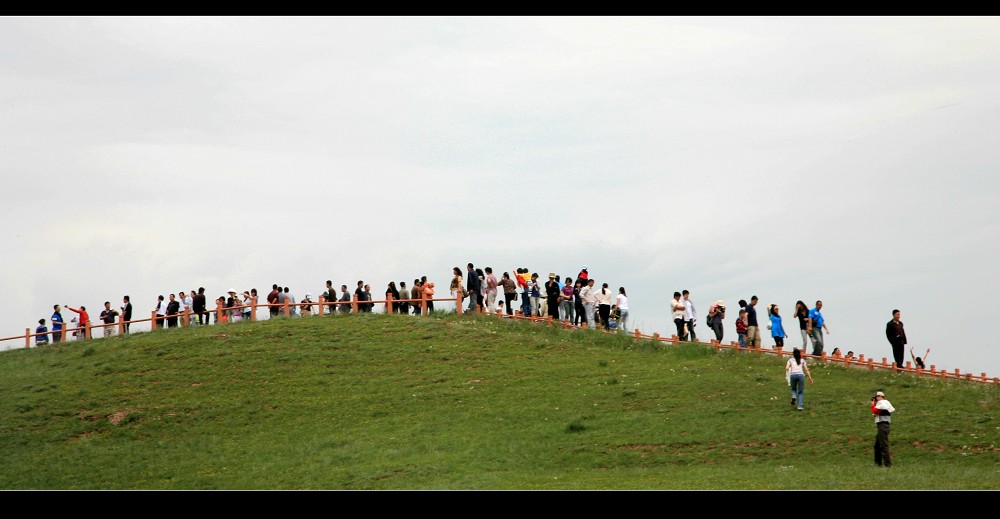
897 337
796 372
882 410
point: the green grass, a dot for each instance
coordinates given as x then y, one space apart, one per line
377 401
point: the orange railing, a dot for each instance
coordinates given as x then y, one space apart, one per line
332 306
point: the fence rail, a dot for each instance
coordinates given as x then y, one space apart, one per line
222 313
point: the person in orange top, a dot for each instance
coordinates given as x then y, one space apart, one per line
84 320
428 289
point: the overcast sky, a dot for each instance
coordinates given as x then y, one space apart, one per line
853 160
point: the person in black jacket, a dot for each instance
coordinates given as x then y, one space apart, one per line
126 312
896 335
173 307
473 286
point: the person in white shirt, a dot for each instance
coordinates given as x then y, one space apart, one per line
622 302
604 305
677 312
589 300
690 315
491 290
796 372
882 410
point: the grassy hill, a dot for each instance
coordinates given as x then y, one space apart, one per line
377 401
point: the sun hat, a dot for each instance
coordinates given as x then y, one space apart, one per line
232 290
879 393
552 275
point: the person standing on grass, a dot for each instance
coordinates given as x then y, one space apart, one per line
84 320
127 311
753 330
491 290
716 318
566 301
535 287
416 292
57 324
509 292
796 372
777 329
896 335
404 295
108 316
345 299
802 314
172 309
690 315
272 300
330 295
622 302
677 312
199 305
247 305
815 327
474 287
578 310
604 305
741 327
882 410
552 296
589 302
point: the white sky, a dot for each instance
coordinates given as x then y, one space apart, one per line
853 160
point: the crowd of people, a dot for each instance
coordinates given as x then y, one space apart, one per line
573 299
578 300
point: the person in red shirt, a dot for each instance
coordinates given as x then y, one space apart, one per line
272 301
84 320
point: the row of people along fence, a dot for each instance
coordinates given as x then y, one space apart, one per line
288 309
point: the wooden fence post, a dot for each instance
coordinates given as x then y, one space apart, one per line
388 304
121 325
27 340
458 301
354 304
287 308
321 307
186 318
86 332
218 312
152 319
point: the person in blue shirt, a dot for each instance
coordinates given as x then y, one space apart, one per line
57 324
815 328
777 330
44 337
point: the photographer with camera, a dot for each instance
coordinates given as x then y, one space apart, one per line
882 410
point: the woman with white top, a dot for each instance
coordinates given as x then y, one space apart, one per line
622 302
604 305
796 371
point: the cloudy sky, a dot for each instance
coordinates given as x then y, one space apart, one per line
853 160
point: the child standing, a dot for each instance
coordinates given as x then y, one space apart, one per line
741 328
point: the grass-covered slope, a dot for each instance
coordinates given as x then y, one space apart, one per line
376 401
